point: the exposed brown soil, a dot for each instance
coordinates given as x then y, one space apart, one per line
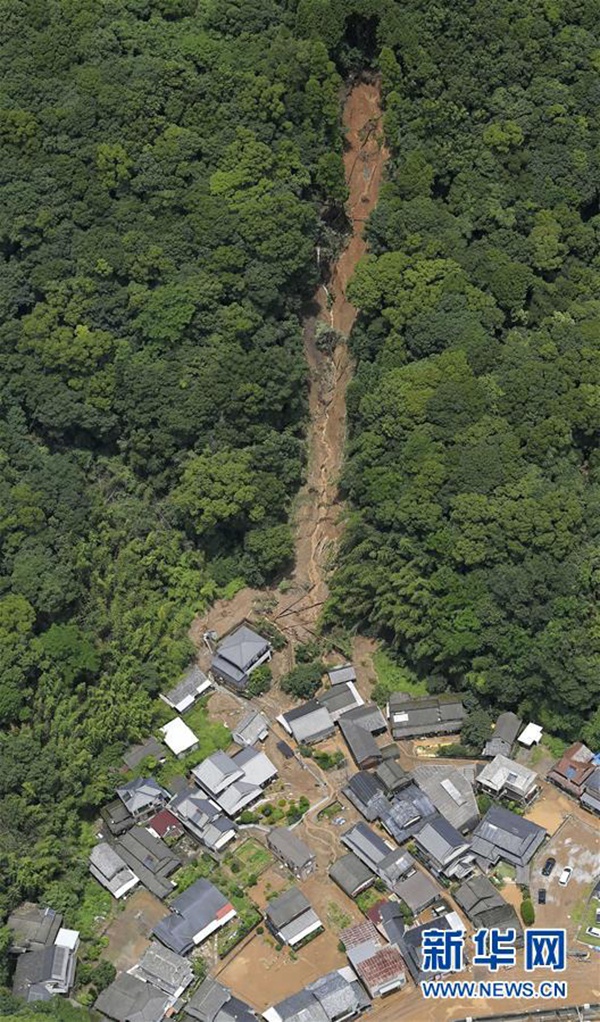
318 516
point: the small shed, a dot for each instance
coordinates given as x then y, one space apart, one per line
530 736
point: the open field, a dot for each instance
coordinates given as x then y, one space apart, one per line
575 844
128 933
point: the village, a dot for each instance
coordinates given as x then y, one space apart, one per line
290 875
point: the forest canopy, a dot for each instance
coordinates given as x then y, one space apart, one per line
166 170
472 471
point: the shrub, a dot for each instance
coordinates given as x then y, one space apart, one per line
260 681
303 681
306 652
527 912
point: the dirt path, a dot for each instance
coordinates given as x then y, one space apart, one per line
318 518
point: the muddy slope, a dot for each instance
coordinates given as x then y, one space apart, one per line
318 516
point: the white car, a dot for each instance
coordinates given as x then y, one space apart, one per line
565 876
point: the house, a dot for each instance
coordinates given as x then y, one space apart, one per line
165 825
252 728
340 699
573 769
484 906
390 921
238 655
367 716
143 797
363 747
203 819
506 729
291 918
110 870
451 792
368 846
351 874
407 812
392 776
390 751
444 850
164 969
193 684
416 890
196 913
504 778
292 851
40 975
591 797
117 817
149 859
179 738
531 735
335 997
150 749
235 782
395 866
33 927
308 723
213 1002
380 966
431 715
411 942
367 793
342 674
504 835
129 999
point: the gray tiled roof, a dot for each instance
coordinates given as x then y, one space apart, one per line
503 771
33 926
301 1007
429 715
191 684
361 743
341 674
216 771
440 840
484 906
310 721
418 891
505 835
143 793
366 844
290 847
366 792
162 967
451 793
339 700
250 728
392 775
287 907
137 753
351 874
129 999
368 716
407 813
191 912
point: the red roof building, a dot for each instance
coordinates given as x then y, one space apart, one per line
165 825
573 769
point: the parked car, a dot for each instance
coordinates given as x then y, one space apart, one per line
542 896
548 867
593 931
565 876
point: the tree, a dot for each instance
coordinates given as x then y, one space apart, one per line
260 681
476 729
303 681
527 912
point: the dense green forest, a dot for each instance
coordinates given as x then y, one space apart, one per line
472 475
167 170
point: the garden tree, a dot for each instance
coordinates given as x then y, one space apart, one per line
260 681
303 681
476 729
